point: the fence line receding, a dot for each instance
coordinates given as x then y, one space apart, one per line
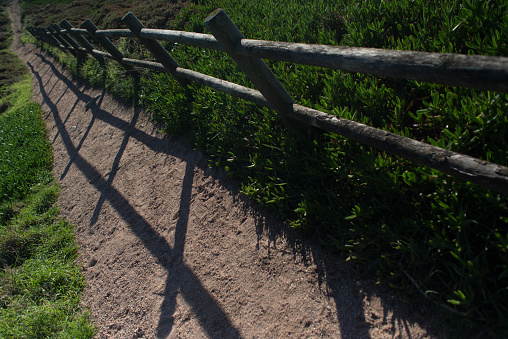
473 71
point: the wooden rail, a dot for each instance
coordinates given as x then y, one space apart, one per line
480 72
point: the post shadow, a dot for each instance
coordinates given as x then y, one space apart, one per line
166 320
180 277
211 316
66 118
61 96
77 92
83 138
116 162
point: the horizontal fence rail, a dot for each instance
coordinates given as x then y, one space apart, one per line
479 72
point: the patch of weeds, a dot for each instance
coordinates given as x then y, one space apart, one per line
11 67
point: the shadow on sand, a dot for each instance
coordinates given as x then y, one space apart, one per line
348 292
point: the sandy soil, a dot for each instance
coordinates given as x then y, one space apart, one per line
170 251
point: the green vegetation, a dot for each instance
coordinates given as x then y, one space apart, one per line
40 284
105 13
414 228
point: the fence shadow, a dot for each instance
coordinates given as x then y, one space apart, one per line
348 291
213 319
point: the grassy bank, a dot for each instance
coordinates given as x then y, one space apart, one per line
40 284
416 229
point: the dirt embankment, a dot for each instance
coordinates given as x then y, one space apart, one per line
169 250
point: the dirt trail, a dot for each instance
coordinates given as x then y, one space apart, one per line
169 251
16 26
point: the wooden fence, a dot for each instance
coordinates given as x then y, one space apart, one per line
480 72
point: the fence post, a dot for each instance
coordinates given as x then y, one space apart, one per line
81 40
108 45
61 41
34 33
49 38
158 51
228 35
69 40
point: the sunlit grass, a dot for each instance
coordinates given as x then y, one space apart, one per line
40 284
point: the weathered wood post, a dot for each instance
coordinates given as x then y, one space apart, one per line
35 34
61 40
158 51
38 33
228 35
44 37
66 36
50 38
81 40
108 45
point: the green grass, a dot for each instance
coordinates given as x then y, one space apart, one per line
40 284
26 154
402 222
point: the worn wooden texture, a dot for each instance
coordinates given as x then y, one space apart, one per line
187 38
61 41
115 33
81 31
81 40
68 38
102 54
53 33
474 71
159 52
108 45
44 37
35 32
52 39
228 35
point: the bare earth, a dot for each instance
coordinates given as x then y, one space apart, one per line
167 248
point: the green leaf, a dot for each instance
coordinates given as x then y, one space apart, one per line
454 302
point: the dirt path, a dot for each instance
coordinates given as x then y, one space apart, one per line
16 26
169 251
